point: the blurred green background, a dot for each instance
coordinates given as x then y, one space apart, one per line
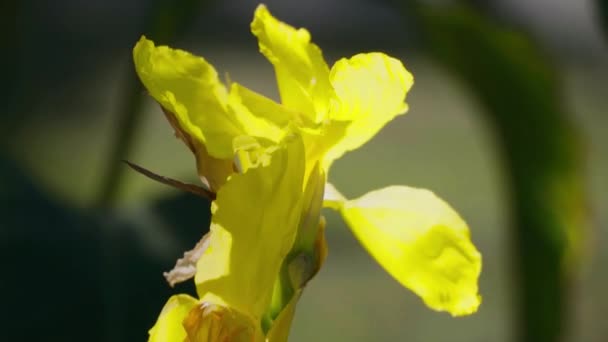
507 122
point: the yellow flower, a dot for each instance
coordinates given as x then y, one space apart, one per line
254 224
413 234
238 138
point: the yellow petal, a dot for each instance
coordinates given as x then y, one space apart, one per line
371 90
212 171
188 87
321 139
422 242
270 116
210 322
205 116
253 228
168 327
302 74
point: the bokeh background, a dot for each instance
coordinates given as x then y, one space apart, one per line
507 122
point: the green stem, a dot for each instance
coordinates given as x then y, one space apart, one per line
166 20
129 119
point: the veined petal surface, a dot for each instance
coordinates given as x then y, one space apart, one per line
209 322
302 74
254 224
370 90
422 242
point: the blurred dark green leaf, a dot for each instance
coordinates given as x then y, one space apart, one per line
519 88
49 261
602 6
166 20
51 256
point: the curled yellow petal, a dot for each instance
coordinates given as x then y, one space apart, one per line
422 242
302 74
188 87
201 110
254 225
370 90
168 327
